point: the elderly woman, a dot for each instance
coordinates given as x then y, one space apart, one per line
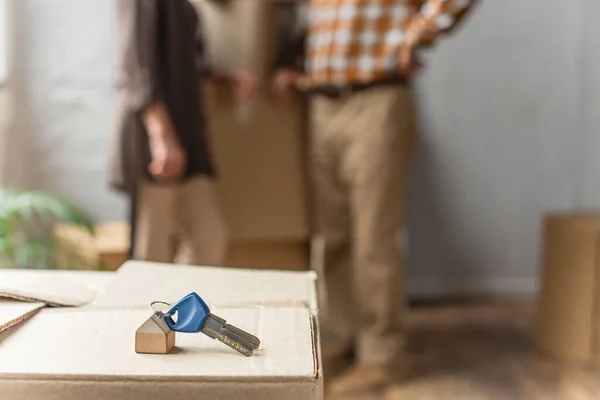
161 156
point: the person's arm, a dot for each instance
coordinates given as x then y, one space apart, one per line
136 52
288 67
291 52
140 85
436 17
242 80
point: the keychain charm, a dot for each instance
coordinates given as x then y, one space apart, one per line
193 316
154 336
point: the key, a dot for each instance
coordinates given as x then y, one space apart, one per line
193 315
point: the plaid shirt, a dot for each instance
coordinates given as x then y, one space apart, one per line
359 41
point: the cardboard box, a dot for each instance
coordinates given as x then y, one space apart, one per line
139 283
569 316
13 312
259 148
108 249
55 288
111 246
35 289
73 355
83 353
285 255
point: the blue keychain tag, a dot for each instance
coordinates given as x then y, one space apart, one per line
192 313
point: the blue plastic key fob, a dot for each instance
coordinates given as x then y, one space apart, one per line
192 313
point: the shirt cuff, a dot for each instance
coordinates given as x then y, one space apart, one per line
139 90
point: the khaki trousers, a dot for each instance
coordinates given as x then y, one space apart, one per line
180 222
361 151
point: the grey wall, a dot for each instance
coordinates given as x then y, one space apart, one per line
64 53
508 132
508 121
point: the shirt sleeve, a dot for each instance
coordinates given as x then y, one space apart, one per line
436 17
137 29
204 63
291 52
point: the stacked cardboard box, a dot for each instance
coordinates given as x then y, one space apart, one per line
259 147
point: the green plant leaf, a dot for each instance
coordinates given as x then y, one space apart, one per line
27 219
27 206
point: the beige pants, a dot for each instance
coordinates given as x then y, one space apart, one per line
180 222
361 151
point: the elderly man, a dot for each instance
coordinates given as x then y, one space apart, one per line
356 59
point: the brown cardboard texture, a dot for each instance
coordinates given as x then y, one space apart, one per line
111 245
108 248
138 283
71 354
13 312
25 292
282 255
259 149
569 312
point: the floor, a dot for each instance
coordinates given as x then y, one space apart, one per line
483 352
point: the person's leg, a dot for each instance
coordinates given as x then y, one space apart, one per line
203 228
332 224
156 222
380 142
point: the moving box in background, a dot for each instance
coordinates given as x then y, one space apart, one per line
259 146
569 312
77 249
110 247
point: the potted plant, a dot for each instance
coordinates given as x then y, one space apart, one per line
27 238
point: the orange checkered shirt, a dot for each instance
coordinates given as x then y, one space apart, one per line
359 41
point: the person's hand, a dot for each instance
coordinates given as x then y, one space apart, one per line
169 160
284 82
409 62
245 84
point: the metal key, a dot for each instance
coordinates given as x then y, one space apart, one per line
193 315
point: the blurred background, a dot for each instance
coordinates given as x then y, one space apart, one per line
507 124
508 132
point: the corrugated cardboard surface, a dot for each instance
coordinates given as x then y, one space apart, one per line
569 300
72 354
138 283
259 148
28 291
13 312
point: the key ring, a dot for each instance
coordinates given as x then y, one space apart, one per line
160 313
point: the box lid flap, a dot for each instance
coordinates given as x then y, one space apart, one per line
12 312
56 288
138 283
